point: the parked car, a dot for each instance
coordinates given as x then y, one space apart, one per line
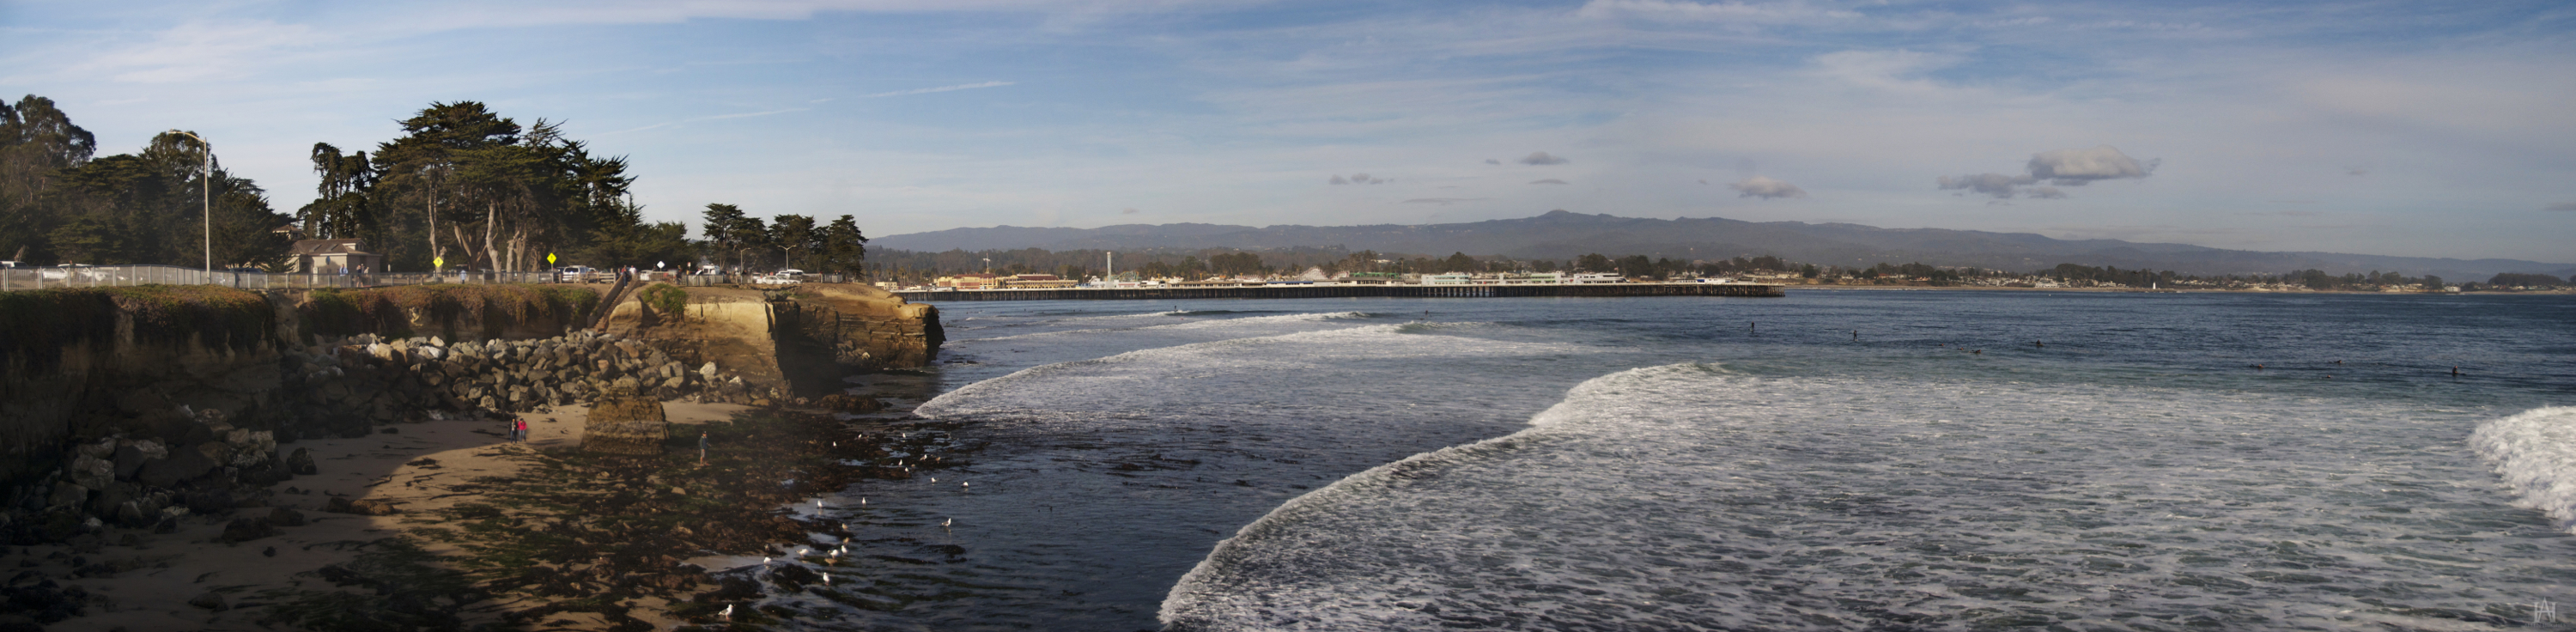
584 274
783 277
71 272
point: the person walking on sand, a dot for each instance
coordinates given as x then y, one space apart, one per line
702 448
519 428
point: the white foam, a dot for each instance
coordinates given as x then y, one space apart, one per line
2535 452
1220 372
1690 497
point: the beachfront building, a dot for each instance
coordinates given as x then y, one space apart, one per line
1037 281
1453 278
334 256
971 281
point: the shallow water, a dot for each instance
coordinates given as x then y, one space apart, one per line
1663 463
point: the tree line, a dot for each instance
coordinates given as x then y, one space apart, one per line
60 203
462 186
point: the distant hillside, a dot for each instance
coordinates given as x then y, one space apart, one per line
1564 235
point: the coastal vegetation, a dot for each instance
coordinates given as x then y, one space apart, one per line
36 326
388 311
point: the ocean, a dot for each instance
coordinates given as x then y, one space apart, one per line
1831 460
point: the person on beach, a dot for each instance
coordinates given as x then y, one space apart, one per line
702 448
519 428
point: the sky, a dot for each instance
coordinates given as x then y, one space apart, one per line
2397 128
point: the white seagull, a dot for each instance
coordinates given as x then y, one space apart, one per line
943 524
728 611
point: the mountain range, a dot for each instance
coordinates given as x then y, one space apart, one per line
1564 235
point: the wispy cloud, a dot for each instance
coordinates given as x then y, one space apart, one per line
1441 201
1548 181
718 117
2563 206
954 88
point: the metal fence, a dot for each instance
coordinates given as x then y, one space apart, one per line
703 280
122 276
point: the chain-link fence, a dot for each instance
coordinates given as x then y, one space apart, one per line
122 276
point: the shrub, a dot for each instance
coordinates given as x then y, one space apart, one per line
665 299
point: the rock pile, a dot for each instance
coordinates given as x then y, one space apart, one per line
134 483
366 380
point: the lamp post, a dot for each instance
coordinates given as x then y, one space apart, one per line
209 201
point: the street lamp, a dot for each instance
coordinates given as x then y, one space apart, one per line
209 200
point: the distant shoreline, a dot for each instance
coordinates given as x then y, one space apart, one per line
2125 290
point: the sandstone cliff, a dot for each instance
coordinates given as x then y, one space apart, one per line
799 341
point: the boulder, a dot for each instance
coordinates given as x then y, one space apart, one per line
839 402
360 507
129 460
247 529
301 462
211 600
286 517
183 465
624 422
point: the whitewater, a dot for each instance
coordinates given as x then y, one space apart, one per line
1966 461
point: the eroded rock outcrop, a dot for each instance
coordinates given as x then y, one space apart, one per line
625 423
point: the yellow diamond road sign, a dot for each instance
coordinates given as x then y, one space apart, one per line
550 258
438 262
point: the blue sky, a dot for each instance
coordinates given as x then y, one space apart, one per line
2383 128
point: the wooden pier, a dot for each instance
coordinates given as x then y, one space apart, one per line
1349 291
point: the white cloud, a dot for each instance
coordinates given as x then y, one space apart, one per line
2075 167
1767 187
2062 167
1541 158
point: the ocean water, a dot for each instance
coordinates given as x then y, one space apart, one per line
1827 461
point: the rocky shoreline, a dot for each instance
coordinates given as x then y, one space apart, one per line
347 408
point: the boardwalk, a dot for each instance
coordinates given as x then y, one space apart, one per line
1350 291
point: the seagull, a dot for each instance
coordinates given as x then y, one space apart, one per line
764 561
965 484
934 480
943 524
728 611
827 579
863 500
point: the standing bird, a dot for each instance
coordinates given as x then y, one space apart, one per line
965 485
728 611
943 524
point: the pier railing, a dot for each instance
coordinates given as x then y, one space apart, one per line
1350 291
